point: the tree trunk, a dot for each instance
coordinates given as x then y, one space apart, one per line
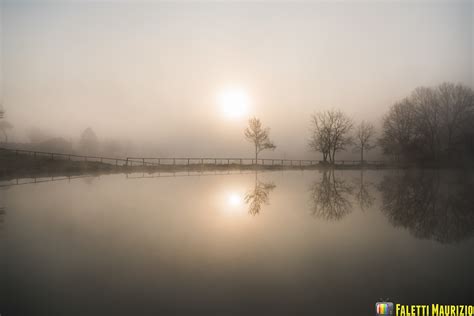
256 155
362 155
6 136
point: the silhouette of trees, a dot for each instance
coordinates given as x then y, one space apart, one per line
365 133
88 144
431 204
4 125
37 135
331 197
330 133
259 136
398 130
258 196
432 124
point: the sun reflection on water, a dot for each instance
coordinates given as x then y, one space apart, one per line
233 203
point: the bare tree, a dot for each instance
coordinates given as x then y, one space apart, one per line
330 133
365 133
259 136
428 120
431 125
320 134
456 105
398 129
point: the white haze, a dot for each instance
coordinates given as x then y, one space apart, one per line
149 72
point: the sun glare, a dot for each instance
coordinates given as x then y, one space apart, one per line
234 199
232 203
234 103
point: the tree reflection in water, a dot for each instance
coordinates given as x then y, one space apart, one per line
331 197
259 195
2 217
2 207
362 192
431 204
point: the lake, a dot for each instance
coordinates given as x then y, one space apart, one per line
272 243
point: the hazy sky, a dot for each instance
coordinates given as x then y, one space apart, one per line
151 72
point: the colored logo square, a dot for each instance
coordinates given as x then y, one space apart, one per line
383 308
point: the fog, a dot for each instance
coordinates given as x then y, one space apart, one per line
150 73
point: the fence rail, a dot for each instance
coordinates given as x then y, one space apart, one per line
189 161
72 157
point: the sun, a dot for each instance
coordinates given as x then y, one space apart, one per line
234 200
233 203
234 103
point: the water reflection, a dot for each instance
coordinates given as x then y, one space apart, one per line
2 208
259 195
363 192
436 205
331 197
2 216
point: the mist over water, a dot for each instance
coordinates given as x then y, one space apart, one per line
196 244
235 158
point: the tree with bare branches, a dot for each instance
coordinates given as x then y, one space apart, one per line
259 136
330 133
399 130
432 124
365 133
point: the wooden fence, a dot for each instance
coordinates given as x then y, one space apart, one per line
202 161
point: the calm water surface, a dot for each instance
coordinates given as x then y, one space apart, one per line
273 243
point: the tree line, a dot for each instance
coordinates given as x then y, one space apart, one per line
433 124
